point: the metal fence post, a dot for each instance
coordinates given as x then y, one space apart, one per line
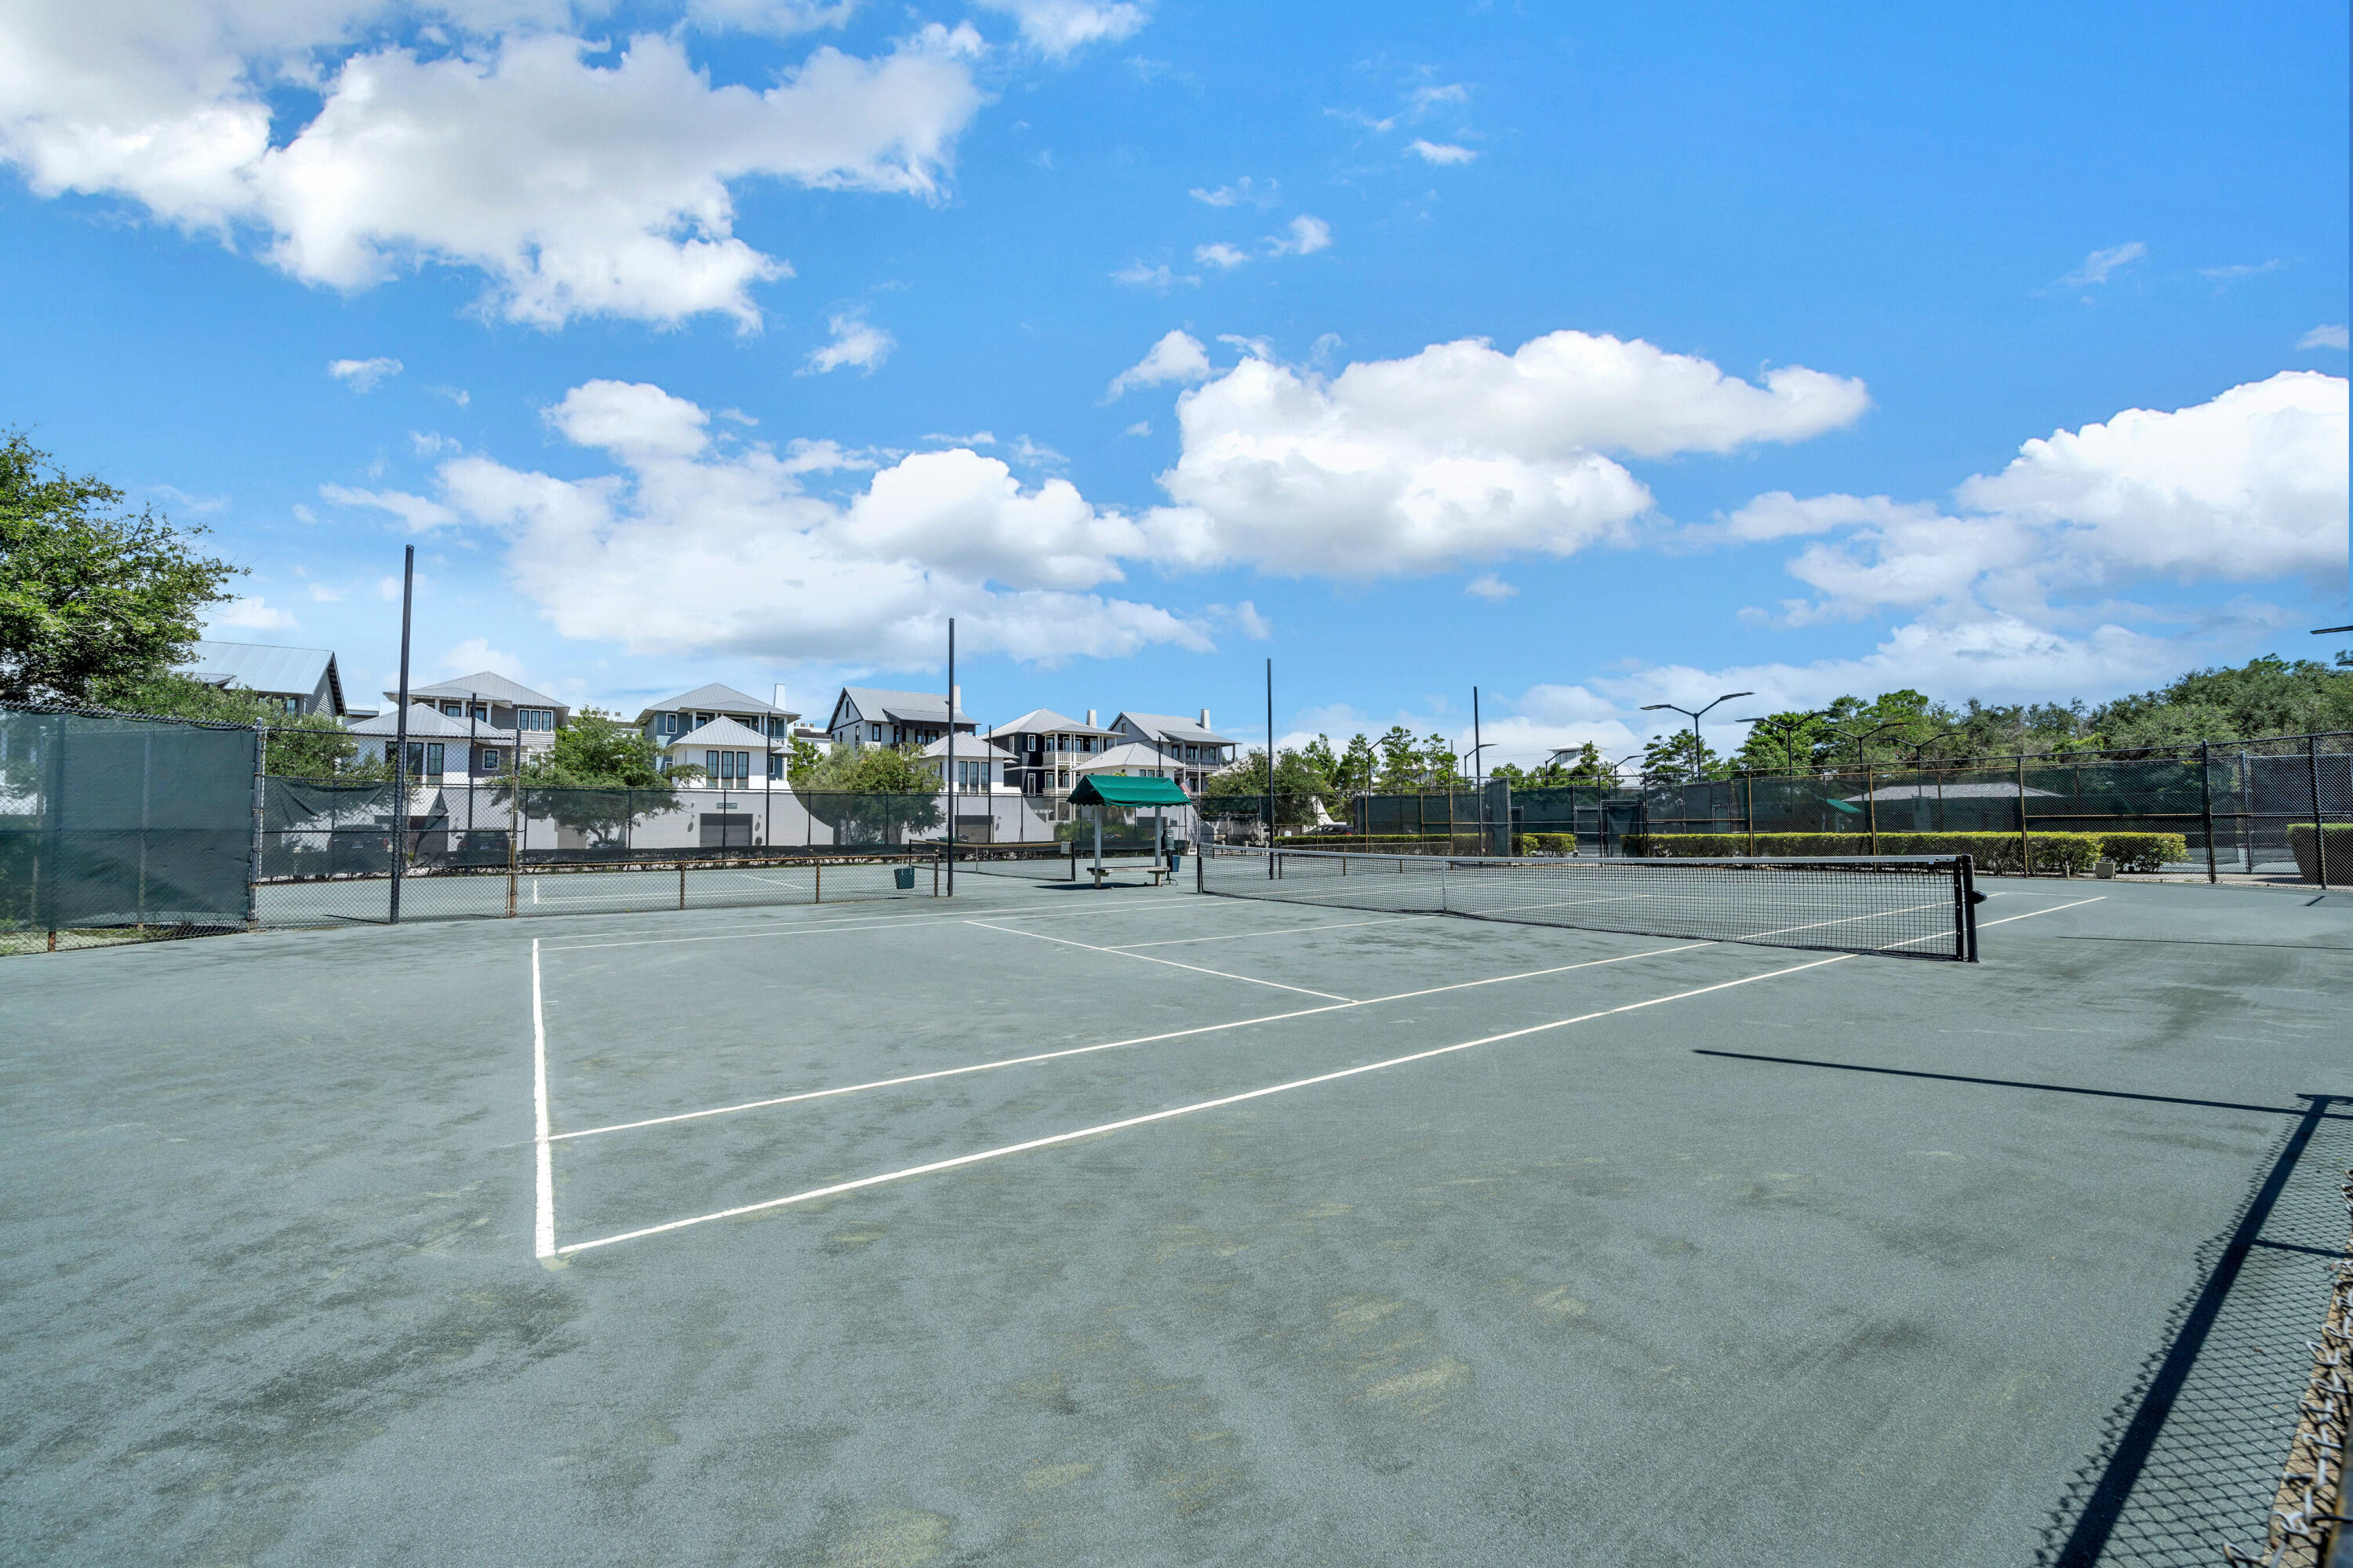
2025 850
2206 801
253 861
514 820
2319 822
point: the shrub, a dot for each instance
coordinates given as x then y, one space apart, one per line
2339 845
1994 854
2143 852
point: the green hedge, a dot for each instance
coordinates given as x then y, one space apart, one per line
1995 853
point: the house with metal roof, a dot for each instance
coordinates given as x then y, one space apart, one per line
1185 751
673 723
1048 750
868 715
730 754
299 679
443 749
491 699
982 763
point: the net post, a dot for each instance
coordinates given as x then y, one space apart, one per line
2206 801
253 861
2025 850
818 896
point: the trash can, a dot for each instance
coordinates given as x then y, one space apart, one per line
905 877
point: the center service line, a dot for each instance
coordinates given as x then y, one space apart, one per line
937 1166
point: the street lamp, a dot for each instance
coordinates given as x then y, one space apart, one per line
1788 730
1693 714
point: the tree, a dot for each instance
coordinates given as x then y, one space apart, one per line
1679 756
1790 741
1401 770
301 746
1589 767
1326 765
598 777
870 794
1298 785
1440 769
1358 765
91 596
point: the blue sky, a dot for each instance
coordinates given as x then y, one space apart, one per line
1593 358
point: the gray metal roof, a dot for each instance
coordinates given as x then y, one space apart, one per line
1166 727
721 732
908 707
970 748
714 698
1046 721
485 685
430 724
275 671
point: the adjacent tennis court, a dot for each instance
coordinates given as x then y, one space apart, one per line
1049 1223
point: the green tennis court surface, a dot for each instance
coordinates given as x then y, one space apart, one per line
1051 1225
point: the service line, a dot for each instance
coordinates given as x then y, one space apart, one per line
1100 1128
1148 958
1111 1044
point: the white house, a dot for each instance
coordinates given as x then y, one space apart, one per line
494 702
721 730
443 749
299 680
981 763
1178 749
1048 751
866 716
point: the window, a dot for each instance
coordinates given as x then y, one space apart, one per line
424 759
453 709
491 760
483 712
711 764
775 765
874 733
534 718
743 765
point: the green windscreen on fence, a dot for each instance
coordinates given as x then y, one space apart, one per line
117 822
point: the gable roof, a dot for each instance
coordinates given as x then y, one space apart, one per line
1131 755
1166 727
714 697
873 703
487 686
1046 721
719 732
430 724
970 748
258 667
1112 790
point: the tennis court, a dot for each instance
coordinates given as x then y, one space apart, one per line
1048 1225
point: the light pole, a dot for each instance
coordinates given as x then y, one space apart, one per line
1871 795
1787 729
1693 714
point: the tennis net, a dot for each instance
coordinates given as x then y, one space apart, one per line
1912 906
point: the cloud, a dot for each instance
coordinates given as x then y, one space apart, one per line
2231 274
364 374
255 614
1304 238
1490 588
1220 255
854 343
1458 454
2324 336
431 443
421 515
1137 275
456 394
690 545
1423 98
2100 265
321 594
1057 29
1141 427
476 654
1241 190
303 513
202 505
1440 151
575 180
1177 357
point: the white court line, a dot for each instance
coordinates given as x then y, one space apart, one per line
1113 1045
1098 1130
1148 958
2031 914
1273 931
544 1225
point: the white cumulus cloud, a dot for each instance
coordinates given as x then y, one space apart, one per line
1304 237
364 374
254 614
1220 255
1177 357
575 183
854 343
2324 336
2102 265
1461 454
1057 29
1440 151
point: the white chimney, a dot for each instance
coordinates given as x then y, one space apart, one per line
1091 720
1205 719
956 702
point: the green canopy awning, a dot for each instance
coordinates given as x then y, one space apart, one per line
1118 789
